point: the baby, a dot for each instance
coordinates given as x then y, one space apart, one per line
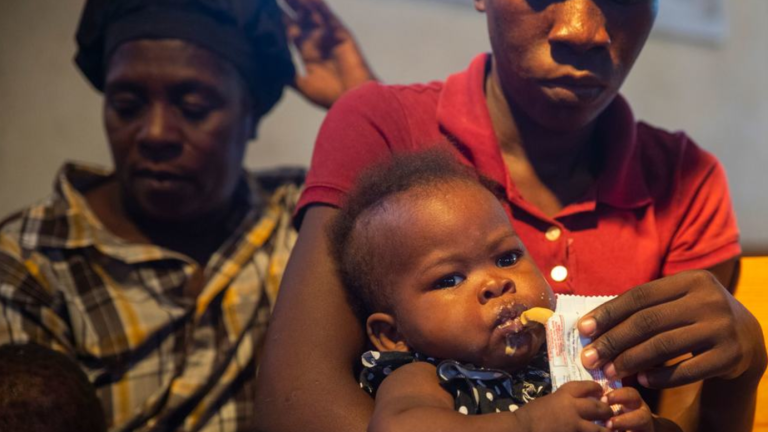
42 390
438 275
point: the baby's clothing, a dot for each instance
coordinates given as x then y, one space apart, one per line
475 390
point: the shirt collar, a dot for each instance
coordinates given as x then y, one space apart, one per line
66 220
463 115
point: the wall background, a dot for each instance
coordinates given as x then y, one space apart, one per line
718 94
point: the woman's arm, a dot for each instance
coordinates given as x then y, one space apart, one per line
305 380
314 339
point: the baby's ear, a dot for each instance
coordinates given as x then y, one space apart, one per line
383 333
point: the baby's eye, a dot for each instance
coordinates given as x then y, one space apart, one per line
509 259
448 281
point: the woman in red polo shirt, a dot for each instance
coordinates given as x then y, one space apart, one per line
605 204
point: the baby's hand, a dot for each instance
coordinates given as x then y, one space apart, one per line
574 407
634 414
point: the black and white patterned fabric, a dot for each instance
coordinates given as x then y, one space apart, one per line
474 390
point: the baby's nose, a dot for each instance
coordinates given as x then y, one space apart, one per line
496 288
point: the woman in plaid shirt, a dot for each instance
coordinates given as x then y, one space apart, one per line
158 277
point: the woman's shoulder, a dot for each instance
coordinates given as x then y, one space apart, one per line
375 96
672 158
377 89
669 146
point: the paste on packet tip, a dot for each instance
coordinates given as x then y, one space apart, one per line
536 314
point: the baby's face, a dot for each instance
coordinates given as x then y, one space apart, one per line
460 276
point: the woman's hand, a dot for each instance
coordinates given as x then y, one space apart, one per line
334 63
688 313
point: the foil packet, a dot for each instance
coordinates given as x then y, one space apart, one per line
564 343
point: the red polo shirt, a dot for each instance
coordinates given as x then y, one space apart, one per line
660 206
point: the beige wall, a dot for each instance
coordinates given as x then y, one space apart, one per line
719 95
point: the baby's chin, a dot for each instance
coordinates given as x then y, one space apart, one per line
517 352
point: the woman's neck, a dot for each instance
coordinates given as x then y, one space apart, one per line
550 168
521 136
198 238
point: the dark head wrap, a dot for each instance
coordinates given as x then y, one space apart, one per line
248 33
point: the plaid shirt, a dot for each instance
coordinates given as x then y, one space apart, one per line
159 361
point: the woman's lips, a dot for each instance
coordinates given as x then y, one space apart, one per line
161 175
574 89
162 181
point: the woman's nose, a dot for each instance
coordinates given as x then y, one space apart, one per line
580 25
160 138
495 288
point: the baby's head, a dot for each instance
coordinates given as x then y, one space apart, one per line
433 265
42 390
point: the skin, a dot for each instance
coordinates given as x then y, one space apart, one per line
178 119
545 131
565 59
330 54
411 400
556 67
448 296
655 323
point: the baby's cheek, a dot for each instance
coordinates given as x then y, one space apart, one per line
547 296
539 297
551 299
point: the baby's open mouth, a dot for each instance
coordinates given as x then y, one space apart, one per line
513 320
512 325
515 335
509 323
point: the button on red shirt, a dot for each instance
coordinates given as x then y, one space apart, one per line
660 205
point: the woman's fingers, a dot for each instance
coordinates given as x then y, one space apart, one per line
636 421
660 348
588 426
704 365
626 321
657 322
613 312
638 328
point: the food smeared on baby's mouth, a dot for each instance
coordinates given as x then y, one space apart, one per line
517 325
